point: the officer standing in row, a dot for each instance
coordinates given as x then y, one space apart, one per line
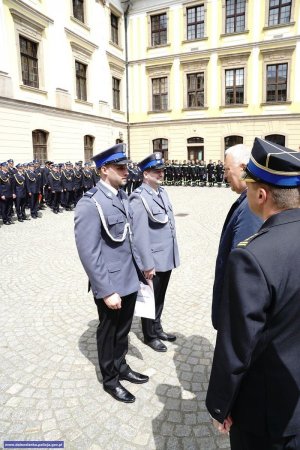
87 177
56 187
33 187
20 191
7 193
155 242
78 176
103 239
68 185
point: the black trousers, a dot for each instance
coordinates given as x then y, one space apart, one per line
151 327
55 201
77 195
243 440
34 204
20 207
112 338
6 207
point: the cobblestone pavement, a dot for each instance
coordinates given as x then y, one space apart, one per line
50 383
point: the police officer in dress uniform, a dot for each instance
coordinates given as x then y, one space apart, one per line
77 183
33 187
7 194
87 177
20 191
68 185
56 186
254 388
155 242
103 239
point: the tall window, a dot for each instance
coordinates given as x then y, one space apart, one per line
195 148
160 94
116 93
277 82
114 28
195 22
159 29
81 80
195 90
279 11
234 86
39 142
88 147
29 62
235 15
276 139
78 9
229 141
161 145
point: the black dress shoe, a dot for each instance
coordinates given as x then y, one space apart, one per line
156 345
166 336
120 393
134 377
20 220
7 223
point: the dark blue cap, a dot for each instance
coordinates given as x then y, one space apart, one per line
35 161
31 163
10 160
153 161
68 163
113 155
19 165
273 164
4 164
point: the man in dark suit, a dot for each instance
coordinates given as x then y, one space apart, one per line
254 388
240 222
103 239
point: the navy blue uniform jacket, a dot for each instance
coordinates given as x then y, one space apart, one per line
240 223
256 368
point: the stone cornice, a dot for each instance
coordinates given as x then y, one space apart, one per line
40 18
196 120
270 44
80 41
66 113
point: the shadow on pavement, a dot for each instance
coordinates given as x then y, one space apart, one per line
184 422
88 346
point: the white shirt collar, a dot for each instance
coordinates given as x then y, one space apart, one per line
108 186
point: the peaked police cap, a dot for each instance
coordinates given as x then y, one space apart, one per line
153 161
273 164
113 155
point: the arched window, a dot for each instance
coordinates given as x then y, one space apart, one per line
229 141
39 143
195 148
88 147
276 139
161 145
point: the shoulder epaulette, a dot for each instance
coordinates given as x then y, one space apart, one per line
91 192
247 241
138 190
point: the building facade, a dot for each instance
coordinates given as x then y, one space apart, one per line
199 76
204 75
62 72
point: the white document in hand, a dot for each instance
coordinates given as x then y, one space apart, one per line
145 303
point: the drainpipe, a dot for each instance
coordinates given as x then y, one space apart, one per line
126 72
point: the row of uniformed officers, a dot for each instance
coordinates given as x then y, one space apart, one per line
33 186
194 173
30 185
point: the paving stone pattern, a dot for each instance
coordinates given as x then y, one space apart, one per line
50 381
